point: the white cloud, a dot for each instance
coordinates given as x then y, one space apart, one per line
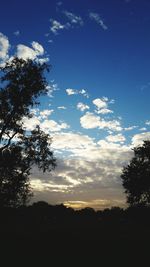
73 18
147 123
143 129
84 93
100 102
38 48
81 106
49 126
139 138
52 88
71 91
102 105
56 26
96 17
116 138
50 41
104 111
130 128
33 53
41 118
4 47
45 113
30 124
70 141
91 121
62 107
25 52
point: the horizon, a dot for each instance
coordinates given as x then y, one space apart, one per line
97 107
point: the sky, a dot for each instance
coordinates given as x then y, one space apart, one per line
97 107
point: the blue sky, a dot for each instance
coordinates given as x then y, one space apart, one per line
99 90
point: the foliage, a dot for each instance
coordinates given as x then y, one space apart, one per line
22 82
136 176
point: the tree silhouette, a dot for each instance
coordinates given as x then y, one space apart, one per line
136 176
22 82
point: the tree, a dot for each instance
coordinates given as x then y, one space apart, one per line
136 176
22 82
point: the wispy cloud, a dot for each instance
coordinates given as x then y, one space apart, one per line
130 128
96 17
74 19
17 33
56 26
59 3
62 107
145 86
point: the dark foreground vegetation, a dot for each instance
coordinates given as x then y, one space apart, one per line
43 232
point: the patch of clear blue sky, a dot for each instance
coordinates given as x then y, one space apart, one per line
113 62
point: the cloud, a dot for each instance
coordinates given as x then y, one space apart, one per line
33 53
81 106
70 141
62 107
17 33
45 113
30 124
116 138
102 105
51 88
73 18
91 175
71 91
40 117
130 128
97 204
38 48
49 126
96 17
138 139
4 48
56 26
59 3
143 129
83 92
104 111
91 121
147 123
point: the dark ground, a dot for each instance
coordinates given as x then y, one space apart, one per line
48 235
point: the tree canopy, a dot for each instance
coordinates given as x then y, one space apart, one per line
21 83
136 176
